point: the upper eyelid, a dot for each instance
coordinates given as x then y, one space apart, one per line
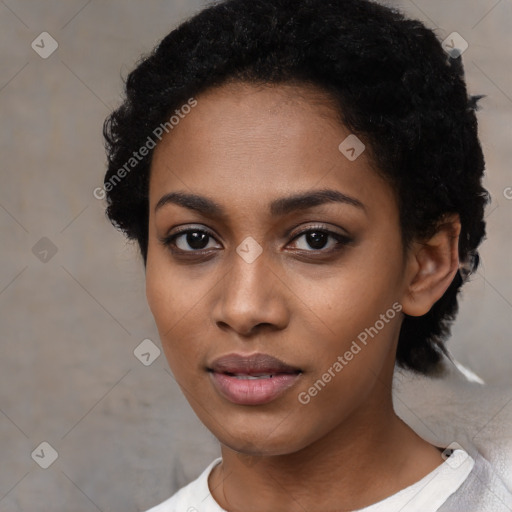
303 231
319 227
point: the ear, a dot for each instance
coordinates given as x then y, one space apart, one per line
431 267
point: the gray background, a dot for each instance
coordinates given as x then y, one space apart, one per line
125 437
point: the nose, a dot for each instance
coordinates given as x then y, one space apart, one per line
251 297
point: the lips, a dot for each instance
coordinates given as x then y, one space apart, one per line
254 365
252 380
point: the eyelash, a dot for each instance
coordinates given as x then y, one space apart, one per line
342 240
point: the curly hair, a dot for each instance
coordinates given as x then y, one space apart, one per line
393 84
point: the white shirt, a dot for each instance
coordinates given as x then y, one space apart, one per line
446 489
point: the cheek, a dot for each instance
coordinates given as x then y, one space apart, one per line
177 303
169 294
357 318
348 361
353 296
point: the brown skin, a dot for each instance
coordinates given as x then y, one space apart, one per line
244 146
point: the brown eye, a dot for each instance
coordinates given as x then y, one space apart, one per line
320 240
317 239
194 239
189 240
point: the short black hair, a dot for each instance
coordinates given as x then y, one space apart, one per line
395 86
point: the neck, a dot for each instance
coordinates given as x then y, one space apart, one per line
370 456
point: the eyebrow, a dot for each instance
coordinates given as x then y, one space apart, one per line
278 207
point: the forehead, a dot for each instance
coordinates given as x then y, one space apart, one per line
246 144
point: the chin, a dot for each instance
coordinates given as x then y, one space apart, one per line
259 443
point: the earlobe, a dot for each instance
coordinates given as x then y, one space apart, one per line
431 267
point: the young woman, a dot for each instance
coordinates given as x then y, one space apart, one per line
304 182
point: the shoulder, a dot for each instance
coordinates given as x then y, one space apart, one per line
483 490
194 497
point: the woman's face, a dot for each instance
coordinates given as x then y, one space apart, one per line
259 272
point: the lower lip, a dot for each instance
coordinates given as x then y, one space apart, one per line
253 391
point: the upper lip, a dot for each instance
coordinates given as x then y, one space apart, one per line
251 364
